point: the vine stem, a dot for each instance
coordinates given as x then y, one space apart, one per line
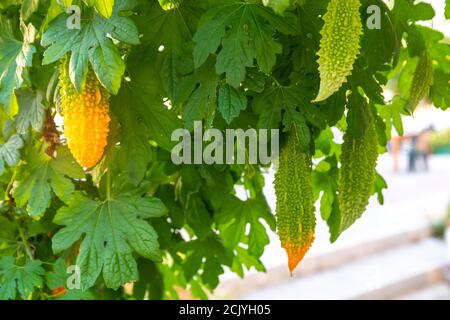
10 184
25 243
276 82
108 185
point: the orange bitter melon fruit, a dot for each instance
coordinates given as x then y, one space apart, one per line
86 117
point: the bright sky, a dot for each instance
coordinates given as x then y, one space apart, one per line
439 22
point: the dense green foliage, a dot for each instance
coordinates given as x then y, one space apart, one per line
137 217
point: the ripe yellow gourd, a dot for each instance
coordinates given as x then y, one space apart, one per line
86 117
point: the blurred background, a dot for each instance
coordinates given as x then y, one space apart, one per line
400 250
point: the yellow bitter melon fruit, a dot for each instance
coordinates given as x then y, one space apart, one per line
422 81
356 175
339 46
86 117
295 205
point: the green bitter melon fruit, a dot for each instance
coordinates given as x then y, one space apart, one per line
356 176
422 81
295 205
339 46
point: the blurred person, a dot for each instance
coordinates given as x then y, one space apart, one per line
395 146
412 153
407 142
423 148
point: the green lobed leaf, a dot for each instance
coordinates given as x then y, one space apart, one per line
111 230
37 178
198 94
233 218
295 101
15 56
143 96
10 152
249 38
134 142
440 91
208 255
21 279
31 111
231 102
91 43
167 33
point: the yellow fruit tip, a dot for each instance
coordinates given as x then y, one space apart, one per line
321 96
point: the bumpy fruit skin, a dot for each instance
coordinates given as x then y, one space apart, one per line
339 46
295 216
422 81
86 118
356 176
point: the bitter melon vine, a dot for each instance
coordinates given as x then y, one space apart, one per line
423 78
134 75
295 205
356 176
86 117
339 46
